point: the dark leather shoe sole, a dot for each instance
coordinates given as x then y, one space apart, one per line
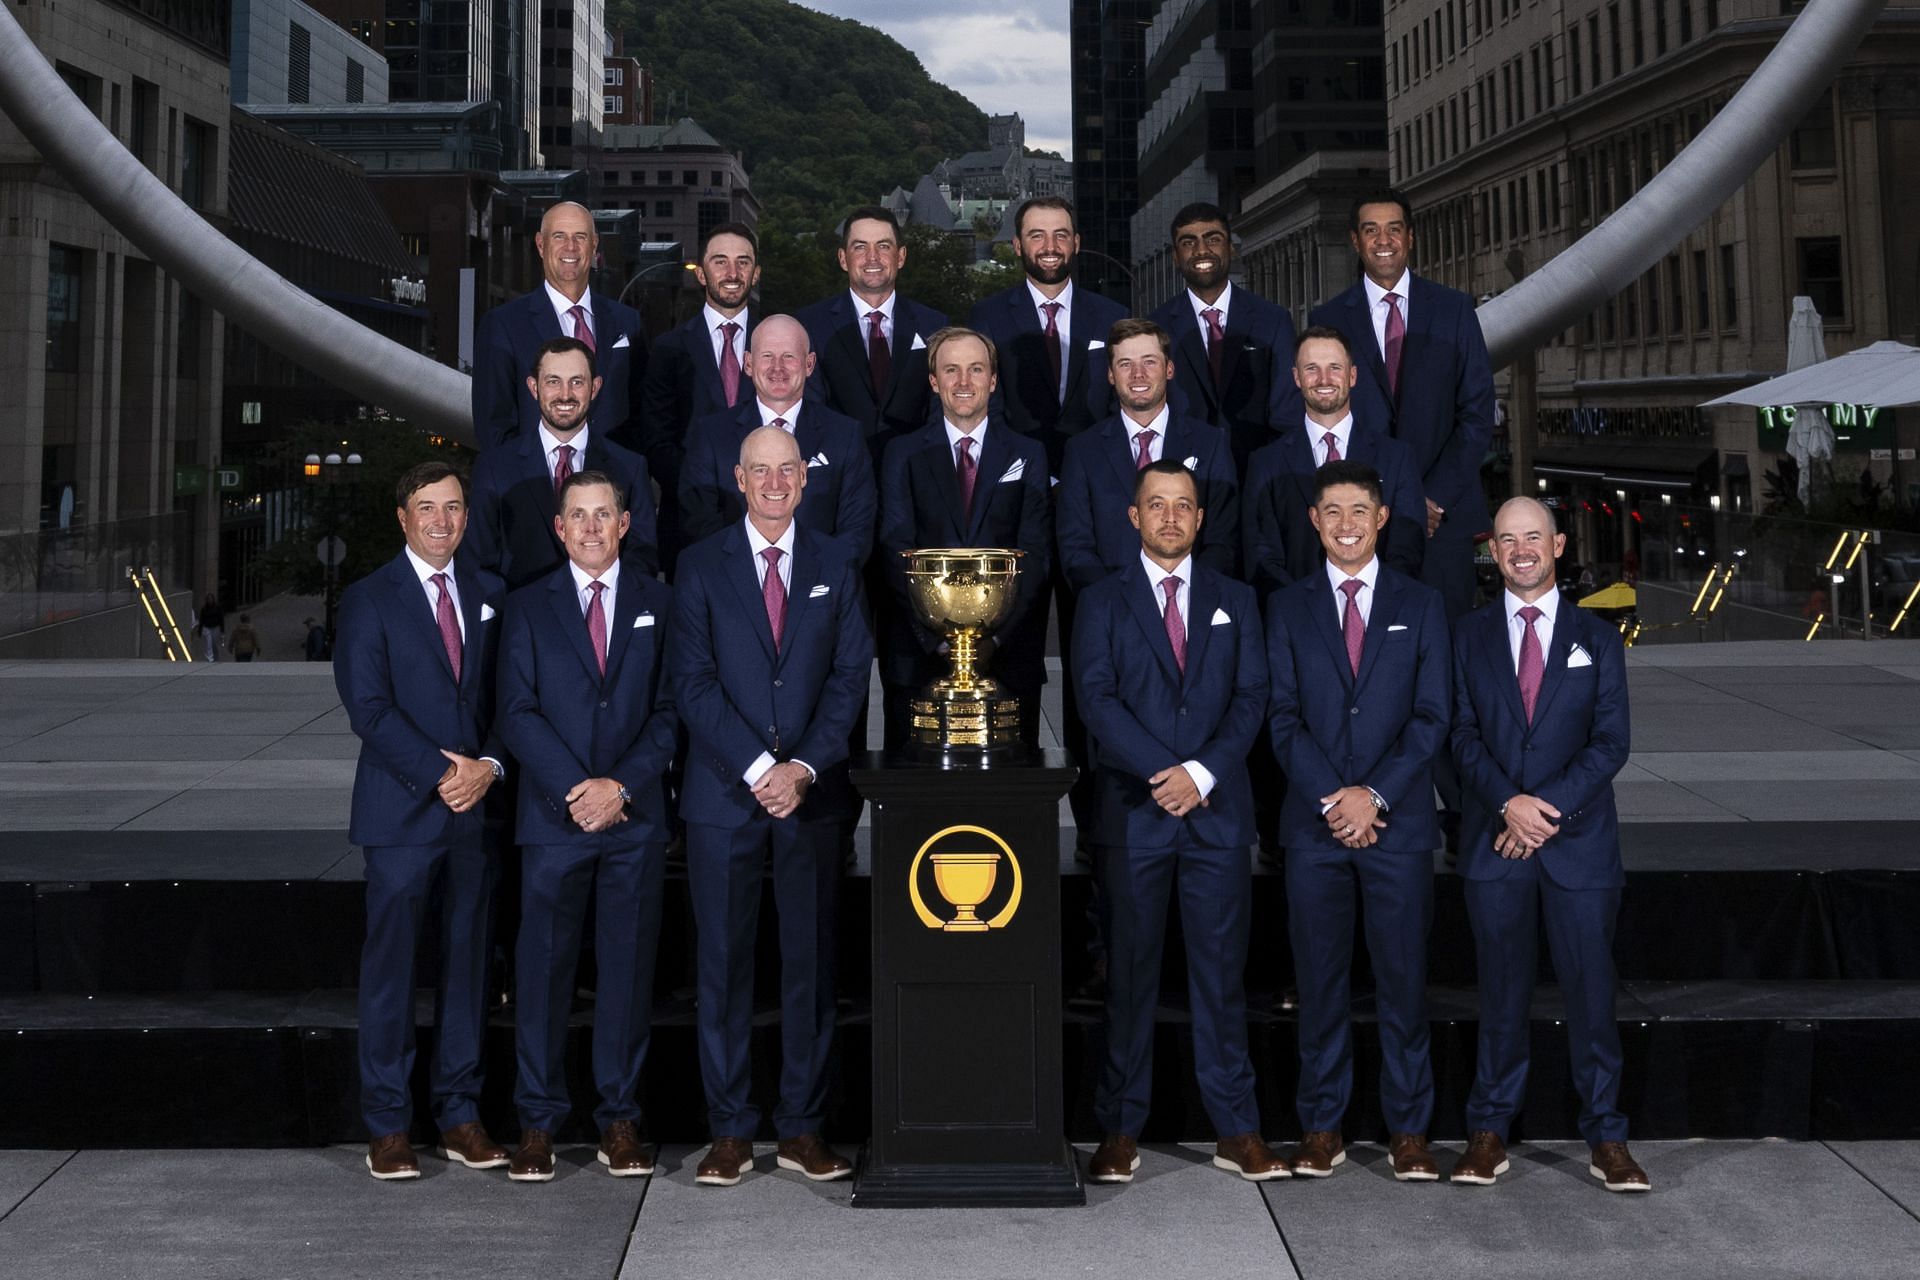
498 1162
624 1171
392 1175
794 1166
1611 1185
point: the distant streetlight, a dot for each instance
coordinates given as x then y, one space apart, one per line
644 272
332 472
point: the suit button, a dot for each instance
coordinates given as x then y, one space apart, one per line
603 702
778 684
771 729
1353 711
1183 711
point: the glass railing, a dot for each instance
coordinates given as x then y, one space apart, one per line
55 575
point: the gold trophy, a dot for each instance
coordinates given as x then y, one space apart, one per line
965 880
963 592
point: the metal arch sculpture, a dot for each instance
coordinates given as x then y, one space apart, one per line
1594 268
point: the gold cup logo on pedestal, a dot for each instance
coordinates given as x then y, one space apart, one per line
966 864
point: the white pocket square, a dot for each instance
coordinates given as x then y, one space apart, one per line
486 613
1396 626
1192 463
1578 657
644 620
1094 344
1220 618
817 460
620 342
919 343
1014 472
817 592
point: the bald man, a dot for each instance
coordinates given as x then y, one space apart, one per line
1540 730
842 501
511 335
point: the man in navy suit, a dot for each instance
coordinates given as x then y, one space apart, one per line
510 336
699 368
871 341
1051 335
1233 347
1358 655
1426 378
516 485
770 656
1173 683
590 722
1281 544
1540 730
842 501
965 480
414 662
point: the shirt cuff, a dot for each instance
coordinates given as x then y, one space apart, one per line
499 770
1379 801
758 769
1201 775
812 776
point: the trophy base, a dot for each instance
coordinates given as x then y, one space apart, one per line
962 727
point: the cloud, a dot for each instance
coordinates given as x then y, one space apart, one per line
1001 54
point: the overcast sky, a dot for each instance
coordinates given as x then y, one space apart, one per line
1004 55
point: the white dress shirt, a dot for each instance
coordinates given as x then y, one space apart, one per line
426 571
862 308
1157 447
1363 601
955 435
1548 605
582 588
1183 597
714 320
550 442
1225 301
1377 305
1062 321
1317 437
757 544
561 307
788 419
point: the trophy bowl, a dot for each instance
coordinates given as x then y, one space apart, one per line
963 592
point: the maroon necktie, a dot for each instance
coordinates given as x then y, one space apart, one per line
1533 664
1216 341
1053 341
1396 338
581 329
562 468
597 625
781 424
1352 624
879 358
449 625
1176 626
1143 449
774 592
968 471
1333 446
729 363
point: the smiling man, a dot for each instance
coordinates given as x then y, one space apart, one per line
510 336
1357 657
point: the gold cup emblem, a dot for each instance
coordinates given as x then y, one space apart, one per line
965 880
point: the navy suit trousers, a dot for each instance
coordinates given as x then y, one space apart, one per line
724 874
402 880
1215 888
624 881
1580 923
1396 890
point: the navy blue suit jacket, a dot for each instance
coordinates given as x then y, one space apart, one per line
843 378
1281 542
840 500
920 507
1380 729
1255 393
565 722
404 704
740 697
1096 488
1027 397
1145 714
1577 743
1444 413
511 529
503 350
683 386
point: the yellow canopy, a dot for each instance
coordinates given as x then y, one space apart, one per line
1617 596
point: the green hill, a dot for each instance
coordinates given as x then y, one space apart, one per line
827 112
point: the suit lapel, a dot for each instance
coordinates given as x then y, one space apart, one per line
805 577
995 458
1190 351
607 330
745 578
906 327
626 608
565 602
1239 329
1324 606
849 342
1496 658
416 604
540 313
1386 607
1556 658
1361 325
1143 601
1118 452
467 583
1203 597
1073 351
935 460
1300 465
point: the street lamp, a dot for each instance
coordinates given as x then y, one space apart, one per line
332 472
644 272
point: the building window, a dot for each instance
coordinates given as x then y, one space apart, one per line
1629 313
1820 275
1582 193
663 208
1676 296
1729 290
1553 192
1573 58
1702 295
63 309
1686 21
614 76
196 159
142 119
1660 25
666 177
1593 48
1639 36
299 62
690 177
1613 35
1812 144
1650 290
356 81
609 104
719 179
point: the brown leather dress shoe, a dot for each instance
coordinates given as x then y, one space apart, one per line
1319 1151
390 1158
807 1154
533 1162
1484 1160
725 1163
1614 1165
1412 1162
1248 1155
468 1144
623 1153
1115 1159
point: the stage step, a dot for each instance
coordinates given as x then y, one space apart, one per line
1718 1059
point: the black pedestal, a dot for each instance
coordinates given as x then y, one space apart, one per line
967 1103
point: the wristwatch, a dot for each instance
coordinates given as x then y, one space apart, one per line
499 770
626 796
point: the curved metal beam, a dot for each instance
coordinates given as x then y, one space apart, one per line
246 291
1681 196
